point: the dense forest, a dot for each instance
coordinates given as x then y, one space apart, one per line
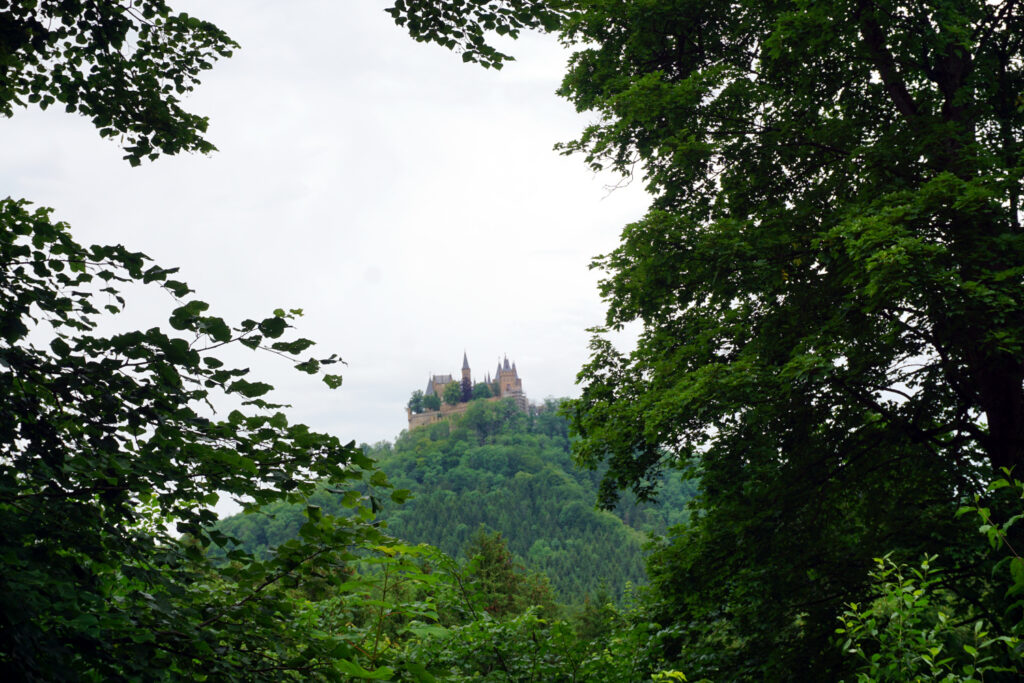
505 471
828 292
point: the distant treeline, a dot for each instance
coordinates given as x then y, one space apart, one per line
507 471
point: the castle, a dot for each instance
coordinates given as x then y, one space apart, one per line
506 383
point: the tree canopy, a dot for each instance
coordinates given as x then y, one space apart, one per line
110 467
112 452
452 393
828 288
481 390
432 402
498 468
416 402
124 65
828 291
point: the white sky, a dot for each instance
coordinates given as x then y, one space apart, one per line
409 203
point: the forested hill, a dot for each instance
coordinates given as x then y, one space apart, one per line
510 472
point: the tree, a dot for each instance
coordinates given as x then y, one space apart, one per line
466 388
432 402
107 452
110 454
416 402
481 390
463 26
506 590
452 393
121 64
829 289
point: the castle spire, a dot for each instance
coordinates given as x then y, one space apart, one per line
465 361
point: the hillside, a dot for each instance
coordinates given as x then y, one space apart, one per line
510 472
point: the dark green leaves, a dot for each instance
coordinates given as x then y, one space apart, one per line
462 25
828 291
107 445
249 389
125 68
823 290
186 317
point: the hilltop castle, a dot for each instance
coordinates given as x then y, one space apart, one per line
506 383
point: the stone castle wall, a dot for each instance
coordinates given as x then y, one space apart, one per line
429 417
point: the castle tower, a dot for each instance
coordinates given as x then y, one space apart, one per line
510 385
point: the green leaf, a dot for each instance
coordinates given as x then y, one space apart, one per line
346 666
313 512
249 389
420 672
274 327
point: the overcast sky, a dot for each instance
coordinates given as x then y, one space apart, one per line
411 204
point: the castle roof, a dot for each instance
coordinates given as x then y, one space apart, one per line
436 379
465 361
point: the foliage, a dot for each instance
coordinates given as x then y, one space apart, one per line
828 287
393 598
111 450
512 473
412 613
505 587
452 393
416 402
910 631
432 402
463 25
122 64
920 625
466 387
598 617
530 648
481 390
107 451
1005 495
524 648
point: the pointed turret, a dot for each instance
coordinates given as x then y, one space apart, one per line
465 361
